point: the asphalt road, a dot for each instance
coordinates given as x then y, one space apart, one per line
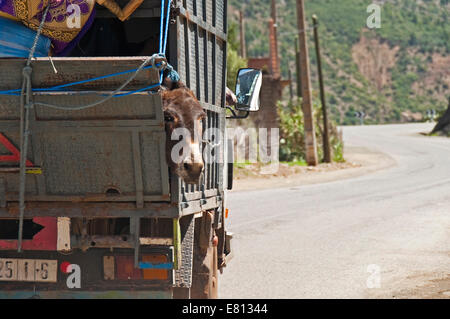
377 235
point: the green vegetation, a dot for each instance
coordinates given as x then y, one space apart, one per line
292 134
416 31
234 61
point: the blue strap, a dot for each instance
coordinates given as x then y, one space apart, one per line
167 26
58 87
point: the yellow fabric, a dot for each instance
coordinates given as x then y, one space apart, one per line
26 11
7 16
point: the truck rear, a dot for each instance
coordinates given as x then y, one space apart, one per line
104 216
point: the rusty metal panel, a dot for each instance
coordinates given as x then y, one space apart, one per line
151 154
136 106
88 155
78 163
77 69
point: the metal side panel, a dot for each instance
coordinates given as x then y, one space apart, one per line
76 69
111 152
183 276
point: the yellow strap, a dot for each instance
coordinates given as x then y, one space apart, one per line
37 171
7 16
176 243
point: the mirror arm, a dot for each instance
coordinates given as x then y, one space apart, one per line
235 116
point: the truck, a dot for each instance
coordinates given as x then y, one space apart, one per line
93 210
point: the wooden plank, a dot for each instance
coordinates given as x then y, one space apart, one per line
63 239
75 69
108 268
156 241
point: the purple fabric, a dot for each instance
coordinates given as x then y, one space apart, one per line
7 7
84 8
60 48
65 48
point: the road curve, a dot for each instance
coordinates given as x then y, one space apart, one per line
372 236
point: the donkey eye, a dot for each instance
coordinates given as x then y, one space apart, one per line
168 117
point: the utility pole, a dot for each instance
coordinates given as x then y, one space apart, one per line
291 90
326 137
298 69
276 59
310 137
242 35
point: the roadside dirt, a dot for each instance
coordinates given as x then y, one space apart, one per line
419 287
359 161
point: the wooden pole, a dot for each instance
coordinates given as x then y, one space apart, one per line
276 59
310 137
242 35
291 90
326 137
298 69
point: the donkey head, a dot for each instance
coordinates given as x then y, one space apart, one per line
183 117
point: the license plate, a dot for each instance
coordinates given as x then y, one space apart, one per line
35 270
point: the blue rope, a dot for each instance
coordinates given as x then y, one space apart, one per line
58 87
162 49
161 26
167 26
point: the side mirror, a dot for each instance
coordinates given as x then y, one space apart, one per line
248 86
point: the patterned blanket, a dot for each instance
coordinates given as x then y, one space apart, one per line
65 24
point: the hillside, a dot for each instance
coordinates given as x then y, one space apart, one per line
403 67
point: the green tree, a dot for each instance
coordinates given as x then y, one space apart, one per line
234 61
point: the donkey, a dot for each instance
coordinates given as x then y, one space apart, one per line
183 116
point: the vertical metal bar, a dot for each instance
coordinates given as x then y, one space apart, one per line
139 182
205 49
164 168
213 66
2 192
210 115
173 50
135 232
37 159
204 10
225 17
176 243
187 52
214 12
197 63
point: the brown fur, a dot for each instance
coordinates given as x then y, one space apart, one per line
183 110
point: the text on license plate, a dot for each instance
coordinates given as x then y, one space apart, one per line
38 270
